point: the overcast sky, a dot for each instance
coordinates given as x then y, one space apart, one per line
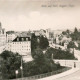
22 15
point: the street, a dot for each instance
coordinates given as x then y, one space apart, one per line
73 76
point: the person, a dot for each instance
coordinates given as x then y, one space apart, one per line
74 65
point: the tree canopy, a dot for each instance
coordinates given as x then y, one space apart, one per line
75 35
11 62
34 42
40 64
43 44
58 54
71 45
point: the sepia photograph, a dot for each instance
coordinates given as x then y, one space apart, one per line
39 39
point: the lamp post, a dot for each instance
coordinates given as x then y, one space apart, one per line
16 73
21 69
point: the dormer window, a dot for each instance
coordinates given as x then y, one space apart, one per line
22 39
26 39
17 39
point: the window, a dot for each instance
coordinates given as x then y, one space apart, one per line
17 39
26 39
22 39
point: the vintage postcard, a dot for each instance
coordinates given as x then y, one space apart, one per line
39 39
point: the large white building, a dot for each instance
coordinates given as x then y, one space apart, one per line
21 45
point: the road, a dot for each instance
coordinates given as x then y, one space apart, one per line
73 76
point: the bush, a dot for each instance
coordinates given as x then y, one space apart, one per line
59 54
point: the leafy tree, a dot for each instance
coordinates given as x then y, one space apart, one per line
49 53
11 62
64 33
34 43
38 56
68 32
40 64
58 54
75 30
43 44
71 45
75 35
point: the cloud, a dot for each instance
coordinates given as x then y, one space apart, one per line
23 15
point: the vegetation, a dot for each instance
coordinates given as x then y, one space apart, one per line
41 42
71 45
34 42
67 32
75 35
40 64
58 54
10 63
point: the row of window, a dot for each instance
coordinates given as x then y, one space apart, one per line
22 39
21 42
21 49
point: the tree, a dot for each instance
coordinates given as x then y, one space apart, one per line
34 42
11 62
49 53
41 63
38 56
64 33
75 30
71 45
43 44
68 32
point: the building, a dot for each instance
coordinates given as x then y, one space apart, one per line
57 33
2 38
47 33
10 36
21 45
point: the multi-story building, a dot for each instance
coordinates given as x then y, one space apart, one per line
21 45
10 36
2 38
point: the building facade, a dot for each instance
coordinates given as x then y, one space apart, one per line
10 36
21 45
2 38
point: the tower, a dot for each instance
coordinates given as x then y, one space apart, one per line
0 26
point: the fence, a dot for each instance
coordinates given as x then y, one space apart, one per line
44 75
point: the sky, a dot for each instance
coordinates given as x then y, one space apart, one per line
23 15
